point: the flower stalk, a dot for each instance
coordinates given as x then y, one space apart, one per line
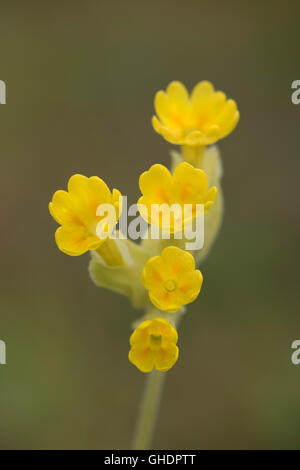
110 253
193 154
149 410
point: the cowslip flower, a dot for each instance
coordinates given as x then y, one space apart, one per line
170 201
153 344
186 191
171 279
76 211
199 119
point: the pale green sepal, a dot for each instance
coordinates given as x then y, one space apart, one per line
126 279
153 312
176 159
212 165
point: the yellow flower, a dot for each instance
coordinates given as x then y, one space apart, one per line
76 211
200 119
185 190
171 279
153 344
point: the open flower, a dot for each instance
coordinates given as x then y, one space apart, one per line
171 279
77 211
185 192
200 119
153 344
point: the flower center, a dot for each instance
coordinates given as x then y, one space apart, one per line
155 341
170 285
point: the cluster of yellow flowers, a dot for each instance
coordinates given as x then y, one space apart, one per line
169 279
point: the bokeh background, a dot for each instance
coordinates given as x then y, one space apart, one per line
81 77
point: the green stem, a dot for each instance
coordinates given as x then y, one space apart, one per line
149 410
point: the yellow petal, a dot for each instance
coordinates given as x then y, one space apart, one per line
202 89
77 186
144 209
190 285
117 201
87 194
213 132
178 94
162 107
178 260
217 101
164 301
141 333
190 182
228 117
171 107
196 137
61 208
161 326
74 241
155 271
169 333
155 183
171 134
165 358
210 198
212 193
84 206
142 358
156 124
98 190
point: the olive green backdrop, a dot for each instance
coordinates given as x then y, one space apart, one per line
81 77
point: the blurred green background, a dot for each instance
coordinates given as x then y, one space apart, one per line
81 77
